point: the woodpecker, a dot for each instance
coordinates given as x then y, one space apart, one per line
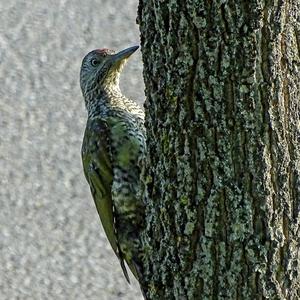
112 151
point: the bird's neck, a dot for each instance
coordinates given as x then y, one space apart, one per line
103 99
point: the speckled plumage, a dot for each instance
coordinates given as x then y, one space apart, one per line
112 152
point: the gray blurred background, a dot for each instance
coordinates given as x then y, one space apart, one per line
52 245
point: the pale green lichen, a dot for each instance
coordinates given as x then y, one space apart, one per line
225 151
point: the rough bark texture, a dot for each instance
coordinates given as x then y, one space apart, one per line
223 166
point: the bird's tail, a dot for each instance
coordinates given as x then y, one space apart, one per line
124 270
138 274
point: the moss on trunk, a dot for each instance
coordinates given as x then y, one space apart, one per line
223 164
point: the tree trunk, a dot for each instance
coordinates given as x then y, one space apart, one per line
223 165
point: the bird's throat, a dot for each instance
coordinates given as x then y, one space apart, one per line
103 99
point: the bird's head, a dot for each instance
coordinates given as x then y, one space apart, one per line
101 69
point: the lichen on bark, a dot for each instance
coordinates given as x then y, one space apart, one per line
222 171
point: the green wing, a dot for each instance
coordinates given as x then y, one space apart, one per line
96 159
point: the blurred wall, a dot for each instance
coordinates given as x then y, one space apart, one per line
52 245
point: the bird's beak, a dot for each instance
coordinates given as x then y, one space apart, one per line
119 57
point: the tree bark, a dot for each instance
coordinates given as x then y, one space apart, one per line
222 171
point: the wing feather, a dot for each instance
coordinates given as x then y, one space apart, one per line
96 159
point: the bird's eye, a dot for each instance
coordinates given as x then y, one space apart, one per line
94 62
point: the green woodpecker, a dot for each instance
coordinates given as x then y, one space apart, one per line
112 153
